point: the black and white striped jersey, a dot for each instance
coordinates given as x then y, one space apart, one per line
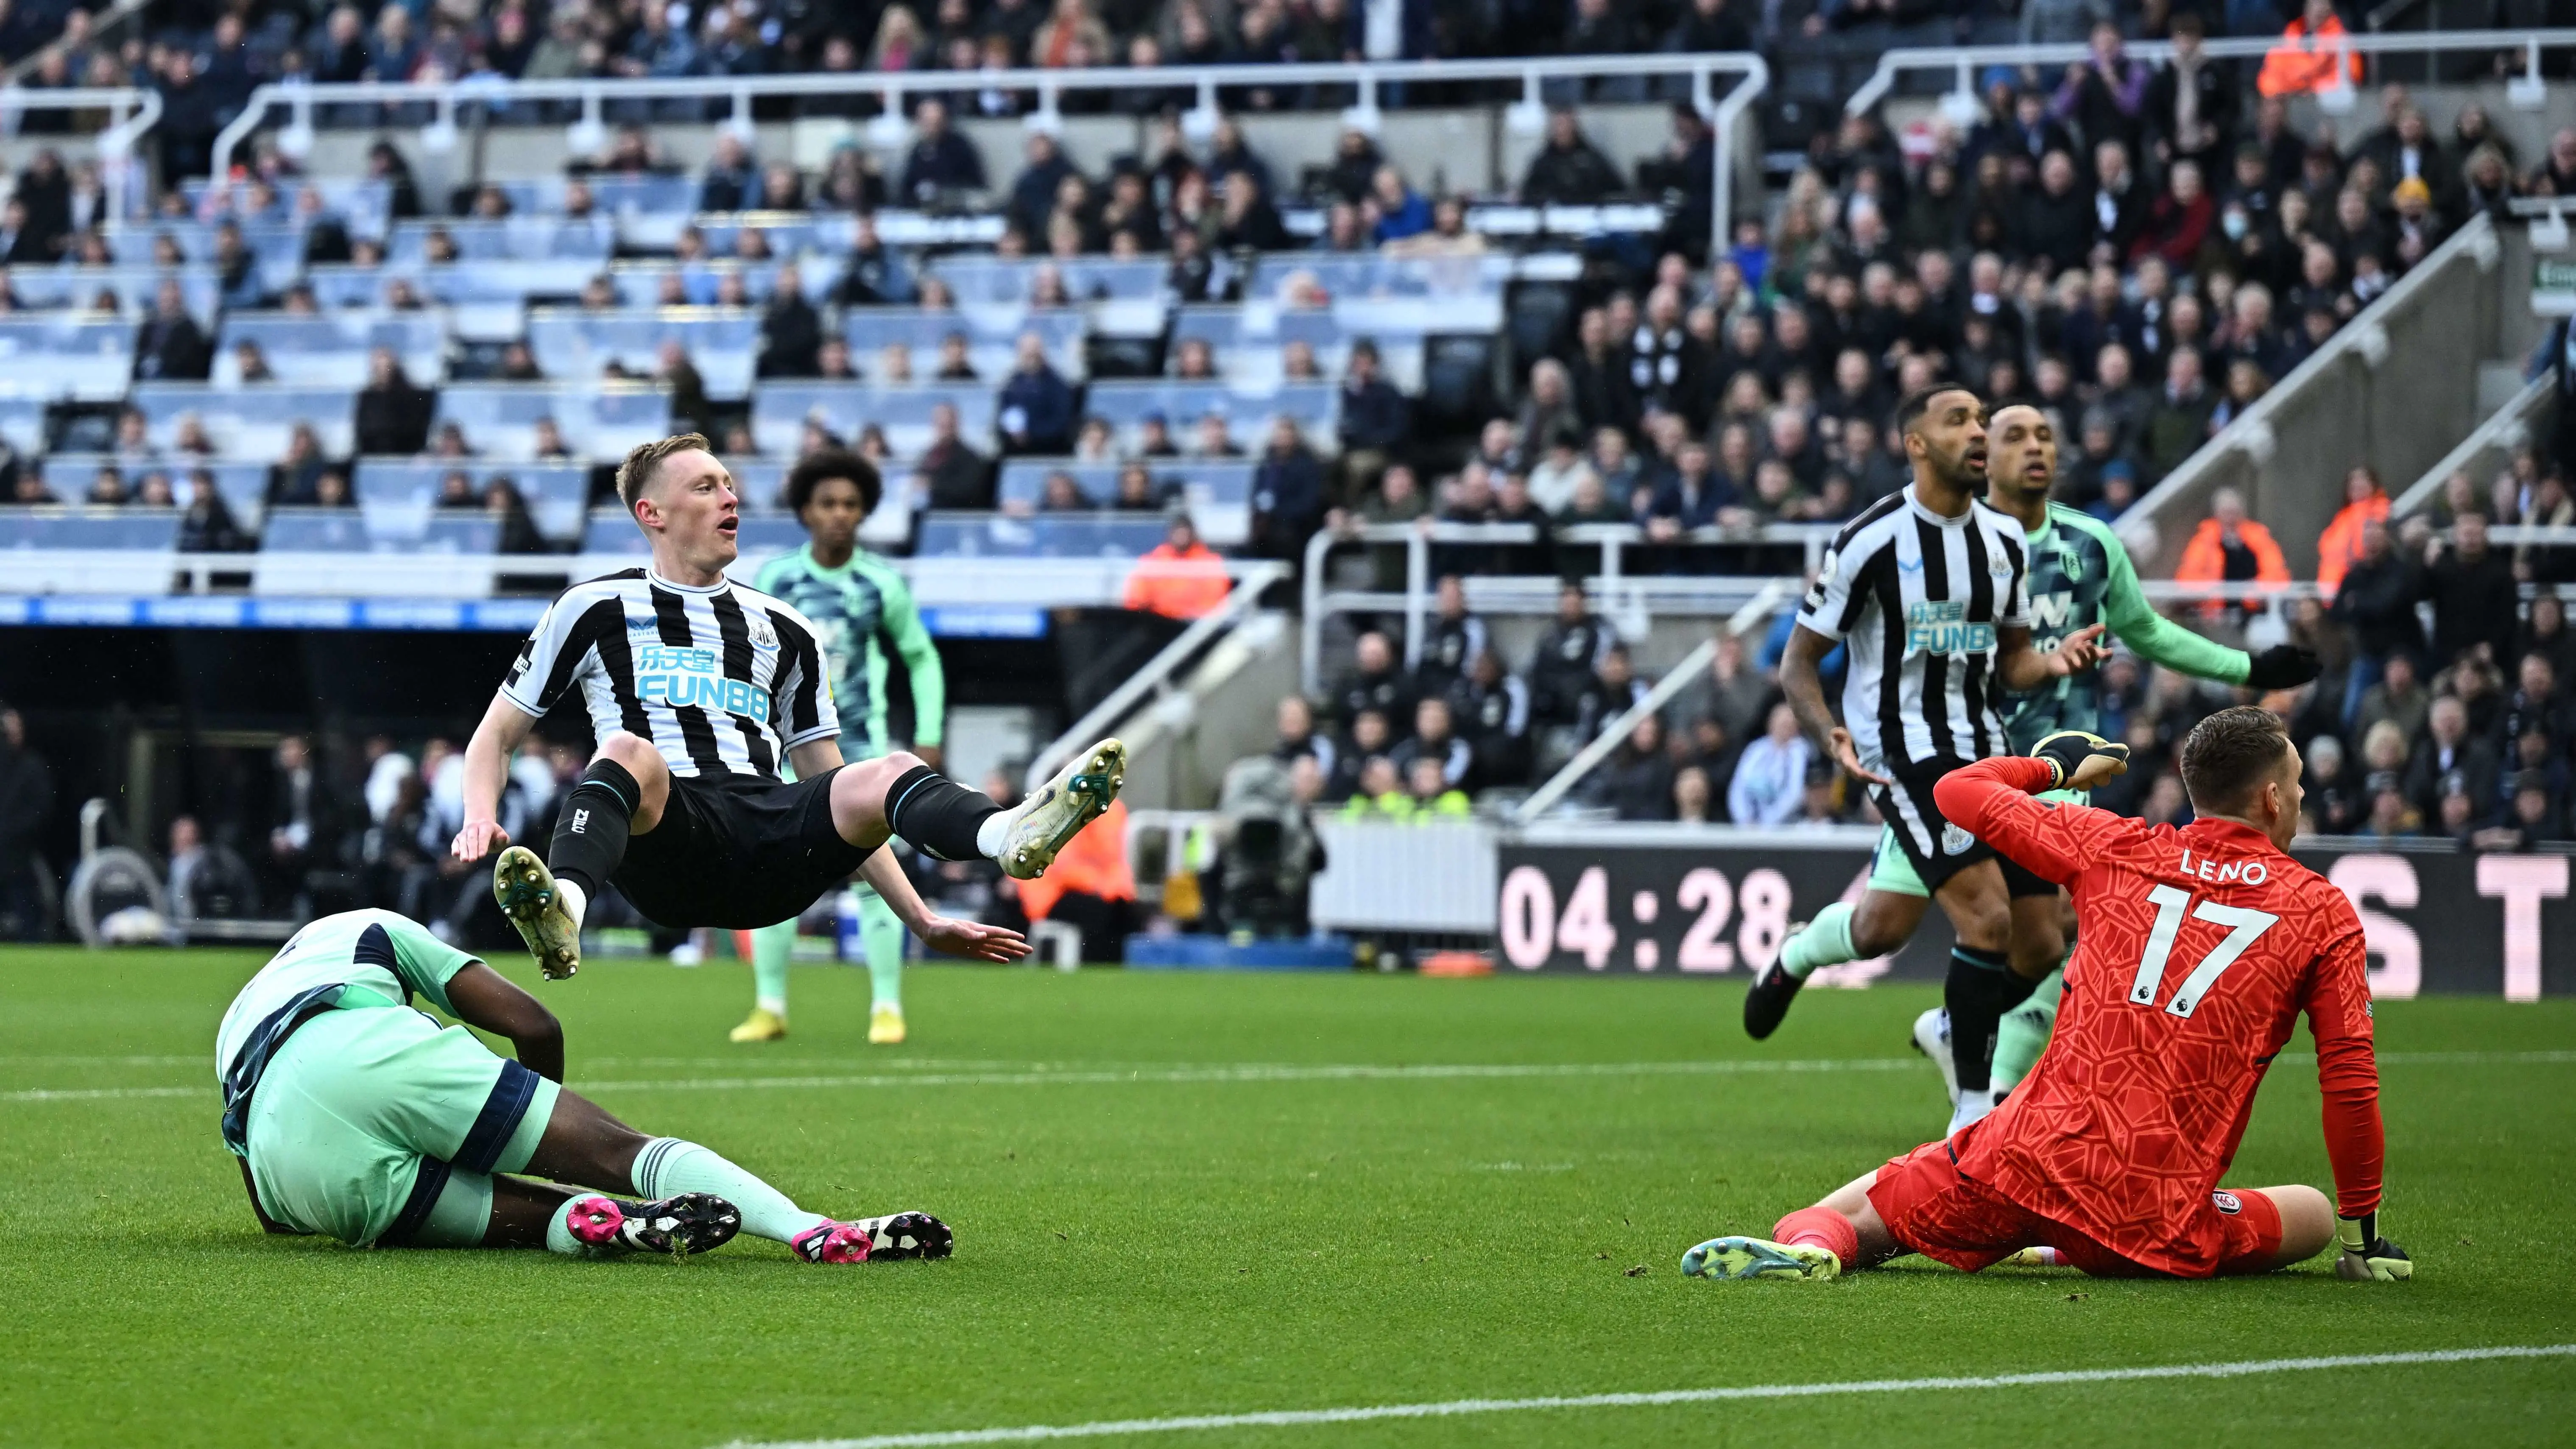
1917 598
724 680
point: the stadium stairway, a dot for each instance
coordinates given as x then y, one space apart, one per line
2401 387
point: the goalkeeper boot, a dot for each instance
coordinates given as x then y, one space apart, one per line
762 1025
692 1222
885 1025
534 903
1051 817
1767 1000
1738 1258
897 1237
1932 1038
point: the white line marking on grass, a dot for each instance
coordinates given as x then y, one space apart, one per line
1289 1418
1285 1072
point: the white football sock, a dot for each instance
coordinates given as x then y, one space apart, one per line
996 829
669 1166
568 894
774 1005
559 1236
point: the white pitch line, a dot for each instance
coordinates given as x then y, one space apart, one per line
1290 1418
1288 1072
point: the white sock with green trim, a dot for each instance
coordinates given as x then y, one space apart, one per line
669 1166
1826 942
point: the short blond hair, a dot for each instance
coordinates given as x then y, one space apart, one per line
645 460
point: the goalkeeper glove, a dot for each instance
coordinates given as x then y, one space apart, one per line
2067 750
2283 666
2367 1257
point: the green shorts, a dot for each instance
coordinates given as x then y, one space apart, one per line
1891 872
378 1126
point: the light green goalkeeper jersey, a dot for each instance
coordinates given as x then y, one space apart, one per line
2080 575
861 611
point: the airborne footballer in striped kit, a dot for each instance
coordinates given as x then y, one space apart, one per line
698 688
1929 591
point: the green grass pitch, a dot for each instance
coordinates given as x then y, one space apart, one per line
1143 1234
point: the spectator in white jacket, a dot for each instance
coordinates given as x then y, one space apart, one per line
1771 775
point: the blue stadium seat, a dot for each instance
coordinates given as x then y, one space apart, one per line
982 280
242 484
252 422
779 411
597 421
364 207
558 494
135 288
986 535
1211 480
789 233
639 284
619 196
277 245
1368 274
1316 407
344 530
334 347
76 355
992 337
575 345
1247 340
519 238
22 423
90 528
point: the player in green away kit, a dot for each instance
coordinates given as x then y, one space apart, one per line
359 1118
861 609
2080 575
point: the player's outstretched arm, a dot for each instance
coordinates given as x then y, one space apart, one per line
504 728
485 999
1992 800
2162 641
970 939
2024 668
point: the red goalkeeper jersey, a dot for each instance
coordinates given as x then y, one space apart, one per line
2195 950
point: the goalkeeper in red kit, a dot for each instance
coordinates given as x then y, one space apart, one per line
2198 947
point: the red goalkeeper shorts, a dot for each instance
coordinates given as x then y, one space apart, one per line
1934 1211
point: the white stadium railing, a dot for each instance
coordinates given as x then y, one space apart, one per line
889 131
1156 680
1617 589
131 111
1963 105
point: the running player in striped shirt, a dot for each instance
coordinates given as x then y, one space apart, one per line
2080 575
698 688
1929 590
862 612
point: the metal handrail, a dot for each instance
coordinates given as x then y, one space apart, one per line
1049 85
103 28
136 109
1155 677
2528 91
1611 538
2251 430
1755 613
2515 414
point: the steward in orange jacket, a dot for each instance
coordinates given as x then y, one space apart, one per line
2307 58
1182 578
2229 547
2340 544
